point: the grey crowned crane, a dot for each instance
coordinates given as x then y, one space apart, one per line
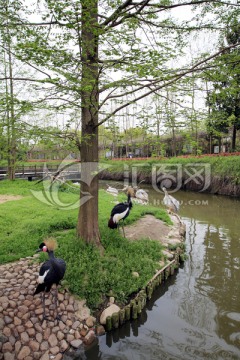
51 272
120 212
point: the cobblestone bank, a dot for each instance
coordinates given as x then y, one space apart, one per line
23 334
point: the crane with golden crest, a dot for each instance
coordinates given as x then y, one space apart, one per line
51 272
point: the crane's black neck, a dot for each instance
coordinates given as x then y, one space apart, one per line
129 200
51 255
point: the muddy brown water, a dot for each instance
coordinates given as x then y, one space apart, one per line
195 315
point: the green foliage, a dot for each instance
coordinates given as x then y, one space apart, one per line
220 165
224 98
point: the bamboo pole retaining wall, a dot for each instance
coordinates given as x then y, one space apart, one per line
134 308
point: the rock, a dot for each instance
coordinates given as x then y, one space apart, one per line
24 337
70 337
52 340
6 331
39 337
83 313
89 338
77 335
7 347
58 357
45 356
17 321
34 345
60 335
108 312
100 330
44 346
70 308
83 331
63 345
24 352
46 333
76 343
61 325
8 320
36 355
168 254
12 340
2 323
75 325
23 309
90 321
17 346
54 350
29 324
9 356
135 274
31 332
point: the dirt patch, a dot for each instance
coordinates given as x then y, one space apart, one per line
4 198
148 227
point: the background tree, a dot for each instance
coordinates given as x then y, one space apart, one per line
224 99
90 52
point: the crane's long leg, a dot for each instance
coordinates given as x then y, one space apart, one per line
123 229
56 303
122 225
44 306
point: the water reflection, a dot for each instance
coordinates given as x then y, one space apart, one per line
196 313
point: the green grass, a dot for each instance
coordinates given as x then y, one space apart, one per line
222 166
26 222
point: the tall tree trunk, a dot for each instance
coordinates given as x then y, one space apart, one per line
87 227
12 139
11 131
234 134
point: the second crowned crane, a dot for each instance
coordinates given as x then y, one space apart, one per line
120 212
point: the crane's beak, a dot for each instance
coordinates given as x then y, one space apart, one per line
38 250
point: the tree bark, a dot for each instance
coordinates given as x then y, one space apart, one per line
234 134
87 227
11 131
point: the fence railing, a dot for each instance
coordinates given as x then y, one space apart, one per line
24 171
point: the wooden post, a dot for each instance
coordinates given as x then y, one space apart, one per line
109 323
115 320
127 312
134 312
121 316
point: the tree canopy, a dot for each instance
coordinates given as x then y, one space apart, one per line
96 58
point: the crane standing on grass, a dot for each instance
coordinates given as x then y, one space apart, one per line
120 212
51 272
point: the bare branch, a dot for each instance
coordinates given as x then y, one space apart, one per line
196 67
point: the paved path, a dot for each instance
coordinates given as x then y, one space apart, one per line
23 335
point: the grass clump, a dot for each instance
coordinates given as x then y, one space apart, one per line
26 222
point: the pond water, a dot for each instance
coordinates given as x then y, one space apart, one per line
196 313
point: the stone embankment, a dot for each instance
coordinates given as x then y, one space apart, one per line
23 335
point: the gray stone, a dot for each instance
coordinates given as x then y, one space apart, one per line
108 312
76 343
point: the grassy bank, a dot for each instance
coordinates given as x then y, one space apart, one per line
26 222
220 165
218 175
